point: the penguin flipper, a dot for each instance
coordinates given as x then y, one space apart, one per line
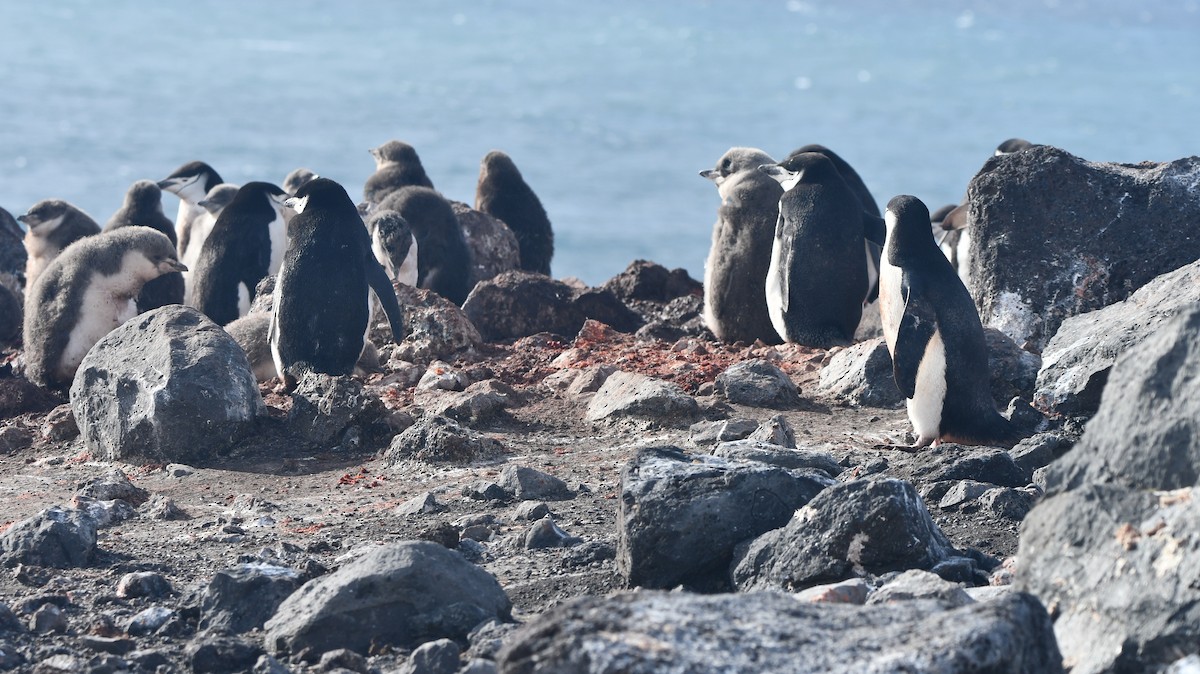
874 228
378 279
917 327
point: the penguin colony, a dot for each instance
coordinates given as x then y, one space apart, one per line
799 254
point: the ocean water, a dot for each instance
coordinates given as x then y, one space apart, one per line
610 109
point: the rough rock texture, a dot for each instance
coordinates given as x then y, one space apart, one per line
950 461
168 385
436 326
1014 370
644 280
672 633
1054 235
1146 434
402 595
519 304
527 484
436 438
862 375
1077 361
917 584
492 244
626 394
242 598
759 384
863 526
55 537
777 455
601 304
1122 569
680 516
323 406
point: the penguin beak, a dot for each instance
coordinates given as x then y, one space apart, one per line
26 219
709 173
772 169
167 184
168 266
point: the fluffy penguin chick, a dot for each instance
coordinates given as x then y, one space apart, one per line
53 225
396 165
933 332
502 193
444 265
86 293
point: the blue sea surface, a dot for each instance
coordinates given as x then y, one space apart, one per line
610 109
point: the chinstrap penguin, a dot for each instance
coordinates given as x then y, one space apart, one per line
143 207
735 273
321 309
396 165
394 245
190 182
933 332
53 225
502 193
817 279
239 252
444 263
251 333
86 293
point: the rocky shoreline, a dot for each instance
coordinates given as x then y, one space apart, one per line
558 478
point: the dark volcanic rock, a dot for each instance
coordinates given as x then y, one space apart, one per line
776 455
862 375
323 406
492 244
863 526
1014 370
1077 361
55 537
626 394
681 516
600 304
1122 569
12 316
680 633
435 326
528 484
219 655
1112 228
519 304
113 484
433 657
436 438
759 384
400 595
242 598
917 584
644 280
1146 434
169 385
950 461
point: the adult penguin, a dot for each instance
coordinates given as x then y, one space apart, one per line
321 311
735 273
932 330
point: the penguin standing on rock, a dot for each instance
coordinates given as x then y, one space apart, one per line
86 293
322 308
190 182
502 193
817 279
444 265
396 165
933 332
238 252
143 207
53 225
735 274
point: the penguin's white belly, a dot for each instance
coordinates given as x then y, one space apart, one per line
278 233
273 333
407 273
964 257
200 228
775 298
925 407
243 300
709 319
103 309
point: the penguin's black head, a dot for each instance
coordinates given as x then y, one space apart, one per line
806 167
144 195
395 152
192 173
46 214
321 194
253 195
909 236
391 228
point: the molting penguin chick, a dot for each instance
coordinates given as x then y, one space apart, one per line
190 182
817 278
84 294
444 265
394 246
502 193
322 304
297 178
143 207
239 252
735 274
396 165
53 225
932 329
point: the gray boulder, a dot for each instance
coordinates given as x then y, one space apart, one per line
776 431
168 386
520 303
680 517
680 633
528 484
627 394
55 537
242 598
400 595
492 245
853 528
784 457
862 375
950 461
1122 569
438 439
1014 370
1146 434
1078 359
758 383
1111 228
436 326
324 406
917 584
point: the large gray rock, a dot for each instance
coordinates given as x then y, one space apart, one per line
492 244
681 516
1146 434
401 595
439 439
242 598
1014 370
520 303
863 526
950 461
1077 361
1122 569
777 455
436 326
862 375
679 633
55 537
323 406
627 394
1055 236
168 386
759 384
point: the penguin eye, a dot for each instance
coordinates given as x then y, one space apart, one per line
725 165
